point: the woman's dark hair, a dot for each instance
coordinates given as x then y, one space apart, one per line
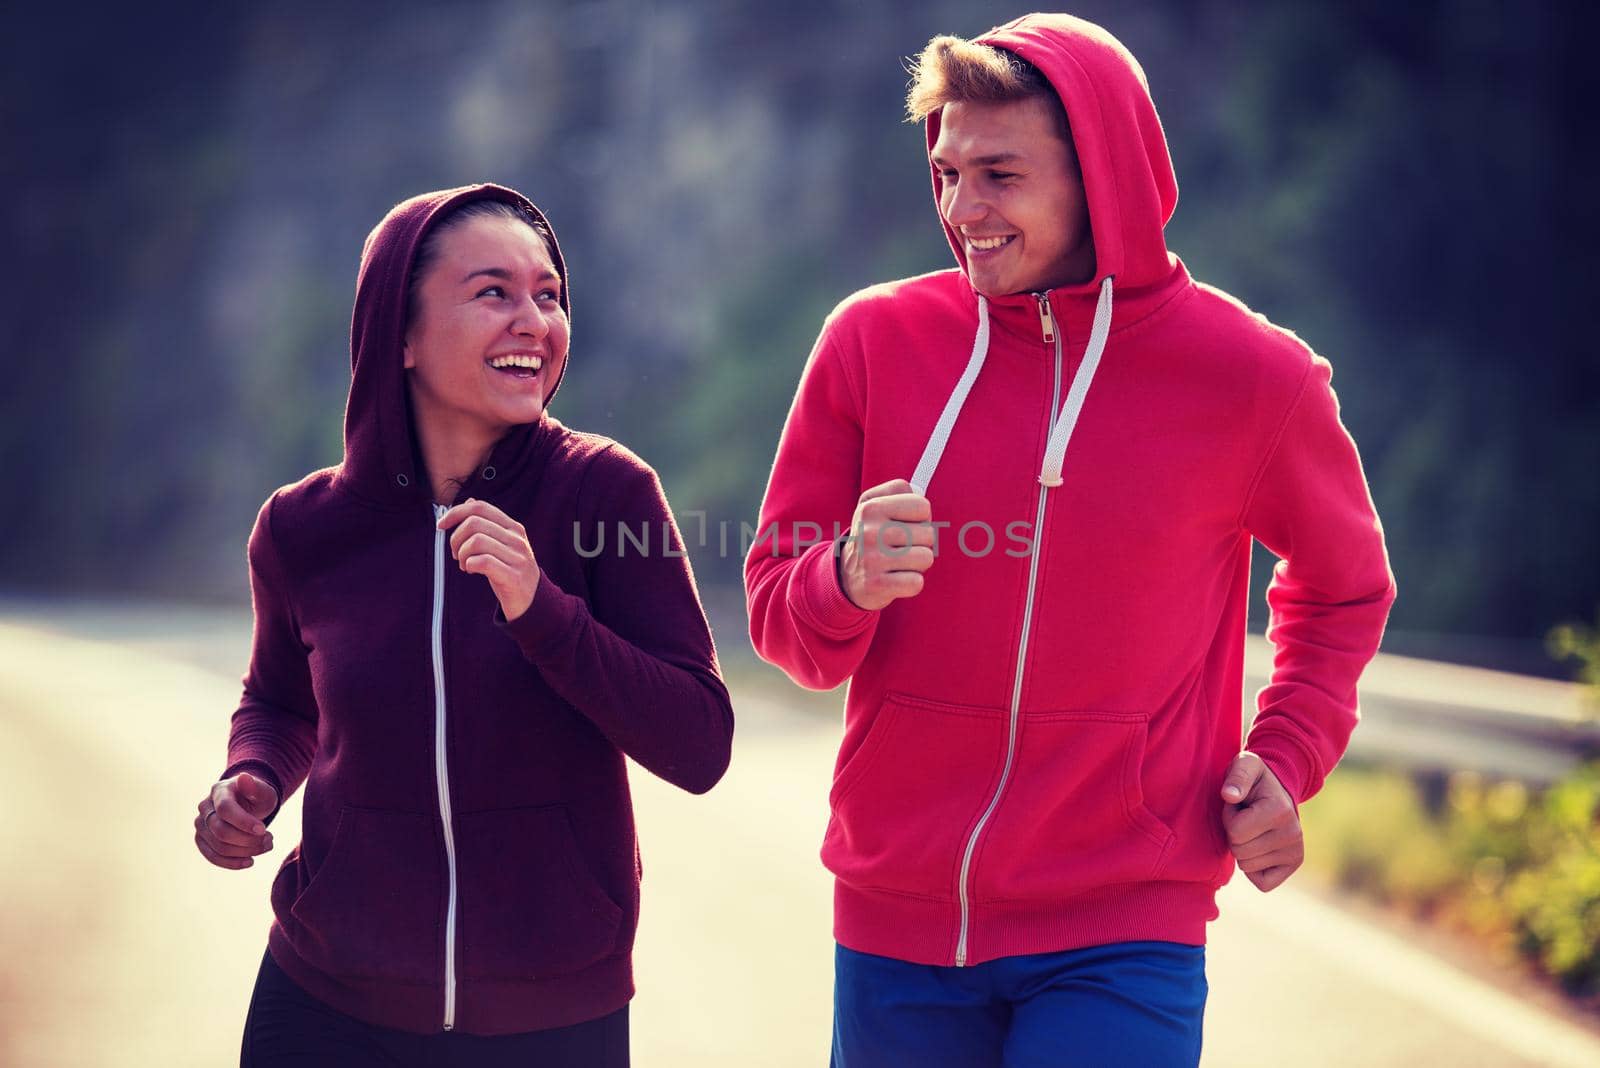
428 251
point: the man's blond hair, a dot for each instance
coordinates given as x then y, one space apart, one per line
953 69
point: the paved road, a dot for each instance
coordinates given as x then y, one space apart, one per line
121 947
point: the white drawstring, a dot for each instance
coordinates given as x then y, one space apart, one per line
952 407
1056 450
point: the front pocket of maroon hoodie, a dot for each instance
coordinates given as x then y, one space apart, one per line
1073 816
530 908
372 910
904 803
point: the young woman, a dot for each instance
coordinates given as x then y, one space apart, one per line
456 683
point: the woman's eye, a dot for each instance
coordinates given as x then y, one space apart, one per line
948 175
492 289
549 294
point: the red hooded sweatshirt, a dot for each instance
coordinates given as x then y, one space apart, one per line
1034 745
468 859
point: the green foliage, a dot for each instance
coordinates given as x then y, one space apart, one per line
1517 869
1574 641
1557 902
1393 859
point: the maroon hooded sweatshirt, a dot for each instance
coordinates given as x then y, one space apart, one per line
468 859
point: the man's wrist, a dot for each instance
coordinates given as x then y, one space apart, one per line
838 569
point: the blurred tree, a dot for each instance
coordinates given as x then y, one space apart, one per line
1406 186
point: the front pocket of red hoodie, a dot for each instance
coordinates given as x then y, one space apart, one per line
372 909
530 907
906 800
1073 816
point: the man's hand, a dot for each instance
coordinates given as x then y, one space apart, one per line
490 543
228 831
890 547
1261 823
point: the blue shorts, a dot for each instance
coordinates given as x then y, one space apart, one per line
1127 1004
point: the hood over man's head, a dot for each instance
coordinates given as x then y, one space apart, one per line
1050 168
1011 187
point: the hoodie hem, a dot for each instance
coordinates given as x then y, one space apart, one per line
923 931
483 1007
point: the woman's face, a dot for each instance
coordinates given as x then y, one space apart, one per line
488 311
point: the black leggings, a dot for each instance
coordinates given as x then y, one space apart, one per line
287 1026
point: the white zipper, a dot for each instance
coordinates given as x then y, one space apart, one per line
441 769
1047 327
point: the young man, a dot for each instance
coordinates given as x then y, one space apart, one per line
1050 464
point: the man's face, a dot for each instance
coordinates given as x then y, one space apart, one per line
1013 193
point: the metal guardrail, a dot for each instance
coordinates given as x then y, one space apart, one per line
1435 718
1429 717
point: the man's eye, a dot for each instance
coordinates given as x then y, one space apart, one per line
1001 176
948 174
492 289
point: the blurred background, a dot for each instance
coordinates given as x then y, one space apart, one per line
1407 186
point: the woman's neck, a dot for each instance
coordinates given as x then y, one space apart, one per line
451 455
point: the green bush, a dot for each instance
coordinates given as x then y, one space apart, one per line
1574 641
1557 902
1514 867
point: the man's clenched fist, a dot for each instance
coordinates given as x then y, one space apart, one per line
891 545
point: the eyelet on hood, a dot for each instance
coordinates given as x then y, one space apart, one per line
380 455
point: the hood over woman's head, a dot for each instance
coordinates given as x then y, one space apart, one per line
382 460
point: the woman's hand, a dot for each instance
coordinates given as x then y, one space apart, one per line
228 831
490 543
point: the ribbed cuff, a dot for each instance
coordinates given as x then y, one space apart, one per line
261 770
819 599
1285 759
549 618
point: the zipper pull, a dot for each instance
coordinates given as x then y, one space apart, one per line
1046 322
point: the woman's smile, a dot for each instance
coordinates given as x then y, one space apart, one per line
526 366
